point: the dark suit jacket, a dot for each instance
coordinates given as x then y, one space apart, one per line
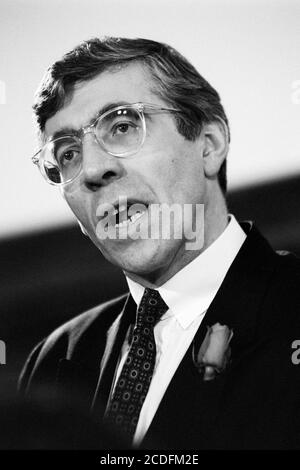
253 404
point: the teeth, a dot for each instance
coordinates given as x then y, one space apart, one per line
136 216
131 219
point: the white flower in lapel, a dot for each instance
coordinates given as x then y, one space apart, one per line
214 352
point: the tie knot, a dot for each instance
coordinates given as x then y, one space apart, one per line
150 309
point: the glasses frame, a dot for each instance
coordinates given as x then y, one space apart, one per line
141 109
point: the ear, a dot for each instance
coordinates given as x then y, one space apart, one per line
216 143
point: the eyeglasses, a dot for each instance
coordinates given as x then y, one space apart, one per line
121 132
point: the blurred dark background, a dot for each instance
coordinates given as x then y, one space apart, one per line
48 277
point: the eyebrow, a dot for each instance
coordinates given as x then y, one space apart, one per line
71 131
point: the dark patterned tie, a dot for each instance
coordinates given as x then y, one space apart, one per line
132 386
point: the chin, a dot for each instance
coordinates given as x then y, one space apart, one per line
145 257
138 261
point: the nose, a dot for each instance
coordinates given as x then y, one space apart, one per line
99 168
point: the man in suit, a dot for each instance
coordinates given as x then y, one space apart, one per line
133 119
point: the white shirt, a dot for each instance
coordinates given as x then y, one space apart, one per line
188 294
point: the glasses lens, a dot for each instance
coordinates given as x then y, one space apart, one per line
61 159
121 131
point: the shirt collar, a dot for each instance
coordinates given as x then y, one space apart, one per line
191 290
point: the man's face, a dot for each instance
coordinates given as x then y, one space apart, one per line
167 169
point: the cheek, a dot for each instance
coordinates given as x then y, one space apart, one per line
77 206
181 176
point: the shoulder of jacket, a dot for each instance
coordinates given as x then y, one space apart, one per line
68 334
66 338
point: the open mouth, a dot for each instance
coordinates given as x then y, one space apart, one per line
123 217
122 213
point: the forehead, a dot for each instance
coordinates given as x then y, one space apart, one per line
129 84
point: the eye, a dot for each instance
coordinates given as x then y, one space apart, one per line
65 150
68 155
123 128
65 157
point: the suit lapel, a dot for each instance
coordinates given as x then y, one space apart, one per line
190 403
96 351
115 339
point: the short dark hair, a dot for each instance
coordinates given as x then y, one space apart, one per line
176 81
